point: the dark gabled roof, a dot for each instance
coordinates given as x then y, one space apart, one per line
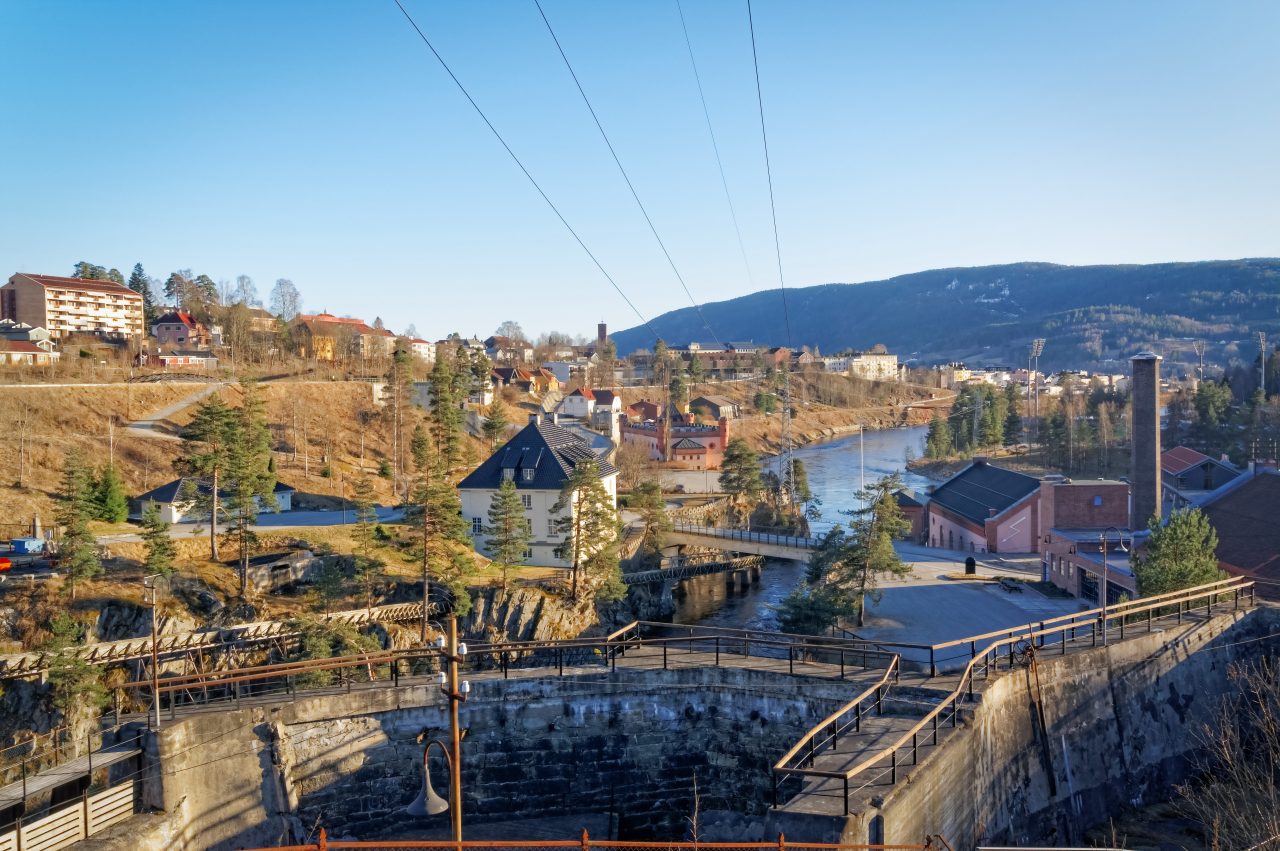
685 443
551 451
907 499
718 401
604 397
980 487
87 284
168 492
1244 516
1179 459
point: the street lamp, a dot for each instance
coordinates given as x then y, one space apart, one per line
1102 593
149 583
428 802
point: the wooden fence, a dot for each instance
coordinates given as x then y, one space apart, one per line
90 815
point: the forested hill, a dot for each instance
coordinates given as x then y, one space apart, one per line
1092 316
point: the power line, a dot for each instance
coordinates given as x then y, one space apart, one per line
733 214
521 165
623 171
764 138
784 457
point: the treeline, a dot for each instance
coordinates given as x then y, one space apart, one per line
982 415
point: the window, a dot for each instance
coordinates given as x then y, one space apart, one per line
1097 500
477 526
508 473
528 474
527 501
528 554
551 526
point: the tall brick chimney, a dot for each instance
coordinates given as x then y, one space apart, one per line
1144 463
602 334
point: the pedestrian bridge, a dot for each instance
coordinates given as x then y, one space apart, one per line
764 544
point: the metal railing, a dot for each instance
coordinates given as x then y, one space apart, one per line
710 647
687 569
1005 648
586 843
744 535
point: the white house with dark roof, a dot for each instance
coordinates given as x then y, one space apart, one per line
175 505
539 459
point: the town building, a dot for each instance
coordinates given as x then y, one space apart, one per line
180 329
175 504
716 407
693 446
875 364
21 332
985 509
1074 516
1245 513
23 353
72 306
539 459
506 350
1188 475
423 349
580 404
536 381
188 358
326 337
645 411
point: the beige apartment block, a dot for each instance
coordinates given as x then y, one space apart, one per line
72 306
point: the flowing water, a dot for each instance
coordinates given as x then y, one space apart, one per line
836 469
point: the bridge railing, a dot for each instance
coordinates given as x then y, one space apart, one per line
744 535
1010 648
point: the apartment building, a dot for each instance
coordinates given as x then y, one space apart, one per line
72 306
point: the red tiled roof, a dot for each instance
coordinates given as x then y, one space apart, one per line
80 284
177 316
585 393
1180 459
20 346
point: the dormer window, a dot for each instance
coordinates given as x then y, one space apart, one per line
528 474
508 473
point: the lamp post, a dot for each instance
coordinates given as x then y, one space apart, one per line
428 802
1102 592
149 583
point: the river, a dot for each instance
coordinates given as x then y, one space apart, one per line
835 469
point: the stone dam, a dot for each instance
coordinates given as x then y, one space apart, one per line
1119 726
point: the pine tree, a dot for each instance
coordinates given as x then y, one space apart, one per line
1181 554
250 482
420 448
141 284
508 529
589 522
77 549
740 475
443 544
155 537
446 422
938 442
206 453
647 500
495 424
367 567
1012 419
853 563
112 503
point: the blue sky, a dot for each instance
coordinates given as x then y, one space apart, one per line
321 142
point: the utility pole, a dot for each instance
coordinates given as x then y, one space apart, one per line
457 693
1198 347
1037 348
149 583
977 420
1262 363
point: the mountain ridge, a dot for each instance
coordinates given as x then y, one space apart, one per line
1093 316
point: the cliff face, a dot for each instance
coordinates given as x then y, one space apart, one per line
529 613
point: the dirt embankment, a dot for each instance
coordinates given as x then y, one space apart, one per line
314 425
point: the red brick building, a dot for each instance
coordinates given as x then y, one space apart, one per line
693 446
986 509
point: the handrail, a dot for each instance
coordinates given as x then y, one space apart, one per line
891 671
745 535
964 685
1112 611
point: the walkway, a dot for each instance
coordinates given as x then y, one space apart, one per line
157 425
736 540
73 769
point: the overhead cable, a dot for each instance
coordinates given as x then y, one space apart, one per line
521 166
618 162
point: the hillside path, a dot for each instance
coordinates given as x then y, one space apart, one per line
157 426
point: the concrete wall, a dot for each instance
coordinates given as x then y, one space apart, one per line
1121 722
628 743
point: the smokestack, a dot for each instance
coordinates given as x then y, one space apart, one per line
1144 463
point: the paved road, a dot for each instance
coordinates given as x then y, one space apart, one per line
273 522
